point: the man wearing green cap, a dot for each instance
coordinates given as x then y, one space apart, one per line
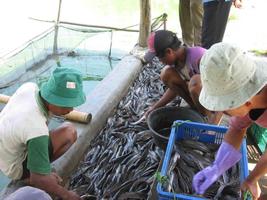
26 145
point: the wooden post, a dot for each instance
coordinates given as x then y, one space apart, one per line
56 28
145 22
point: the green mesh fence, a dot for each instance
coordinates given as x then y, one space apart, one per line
31 60
92 51
34 51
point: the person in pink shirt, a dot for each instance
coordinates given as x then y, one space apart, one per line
181 73
234 83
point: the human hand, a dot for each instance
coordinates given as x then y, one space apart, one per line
252 187
237 3
205 178
226 157
72 196
150 109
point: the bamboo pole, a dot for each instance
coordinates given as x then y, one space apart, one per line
96 26
74 115
145 22
56 28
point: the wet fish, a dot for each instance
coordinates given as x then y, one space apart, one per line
193 157
122 159
139 121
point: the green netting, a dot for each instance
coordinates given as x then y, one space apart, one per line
94 52
105 42
70 37
37 50
33 51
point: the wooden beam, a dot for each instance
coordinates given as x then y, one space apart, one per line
145 21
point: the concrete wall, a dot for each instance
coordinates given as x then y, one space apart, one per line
101 103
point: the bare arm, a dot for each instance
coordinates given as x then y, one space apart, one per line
181 88
259 170
251 183
50 184
235 138
237 130
167 97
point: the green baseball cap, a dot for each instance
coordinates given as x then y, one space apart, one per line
64 88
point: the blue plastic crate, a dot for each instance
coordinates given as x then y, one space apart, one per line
201 132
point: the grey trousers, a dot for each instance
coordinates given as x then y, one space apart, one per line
191 14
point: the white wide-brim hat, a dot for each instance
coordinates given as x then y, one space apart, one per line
230 77
29 193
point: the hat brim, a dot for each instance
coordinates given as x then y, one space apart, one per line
61 101
241 95
149 56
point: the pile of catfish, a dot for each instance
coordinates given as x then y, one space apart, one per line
188 158
122 159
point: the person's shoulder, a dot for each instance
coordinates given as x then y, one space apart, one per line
196 49
196 52
28 86
24 99
25 89
199 48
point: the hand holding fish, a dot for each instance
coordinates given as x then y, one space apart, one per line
150 109
204 179
144 117
226 157
252 187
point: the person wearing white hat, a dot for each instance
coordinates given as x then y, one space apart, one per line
29 193
235 83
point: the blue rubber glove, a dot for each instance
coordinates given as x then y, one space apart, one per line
226 157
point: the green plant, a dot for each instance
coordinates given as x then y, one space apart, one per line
176 124
163 180
247 195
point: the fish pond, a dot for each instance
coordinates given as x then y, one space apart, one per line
91 53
